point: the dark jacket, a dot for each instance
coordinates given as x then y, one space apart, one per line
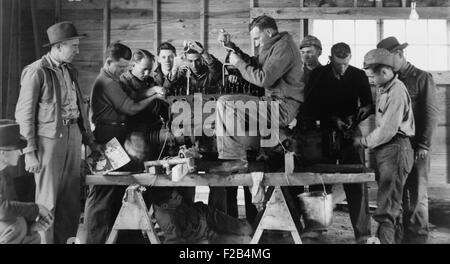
422 89
136 90
279 69
207 81
38 109
10 209
171 85
330 97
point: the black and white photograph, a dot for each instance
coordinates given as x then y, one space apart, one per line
225 122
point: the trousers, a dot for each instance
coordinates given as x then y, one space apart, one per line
58 183
394 162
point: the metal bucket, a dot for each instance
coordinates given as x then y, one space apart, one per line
317 209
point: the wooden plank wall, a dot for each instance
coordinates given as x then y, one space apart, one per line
133 22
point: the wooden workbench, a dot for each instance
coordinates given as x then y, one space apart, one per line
330 174
276 216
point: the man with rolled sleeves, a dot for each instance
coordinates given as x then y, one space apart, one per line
422 89
53 119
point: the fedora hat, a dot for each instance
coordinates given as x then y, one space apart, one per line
62 31
10 138
391 44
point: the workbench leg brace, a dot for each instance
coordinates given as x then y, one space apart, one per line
133 215
277 217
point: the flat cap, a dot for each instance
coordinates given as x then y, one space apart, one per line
379 56
309 41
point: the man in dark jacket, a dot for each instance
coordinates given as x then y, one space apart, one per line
340 98
422 89
164 74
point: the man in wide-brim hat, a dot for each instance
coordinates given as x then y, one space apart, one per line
53 119
422 89
18 223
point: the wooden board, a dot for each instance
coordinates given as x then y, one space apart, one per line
244 179
350 13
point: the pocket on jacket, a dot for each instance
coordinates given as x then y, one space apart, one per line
46 113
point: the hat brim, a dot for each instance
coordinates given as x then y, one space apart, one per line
76 37
400 47
19 145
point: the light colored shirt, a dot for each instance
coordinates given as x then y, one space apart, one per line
393 115
69 107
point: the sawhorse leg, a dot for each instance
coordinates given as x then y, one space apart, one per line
277 216
133 215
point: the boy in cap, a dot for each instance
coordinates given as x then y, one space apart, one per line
422 90
310 49
19 221
51 111
391 141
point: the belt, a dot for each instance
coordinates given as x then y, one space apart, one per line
110 123
68 122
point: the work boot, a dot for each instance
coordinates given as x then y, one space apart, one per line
230 166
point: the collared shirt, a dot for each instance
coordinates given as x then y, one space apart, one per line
422 89
69 107
207 80
337 75
393 115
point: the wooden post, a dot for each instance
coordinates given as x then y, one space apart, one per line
106 26
379 23
12 62
203 24
448 48
355 3
37 44
302 22
447 93
2 17
252 44
57 11
403 3
157 23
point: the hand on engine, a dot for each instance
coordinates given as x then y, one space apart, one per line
233 79
234 58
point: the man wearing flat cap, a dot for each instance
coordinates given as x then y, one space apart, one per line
422 90
19 221
390 140
53 119
310 49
